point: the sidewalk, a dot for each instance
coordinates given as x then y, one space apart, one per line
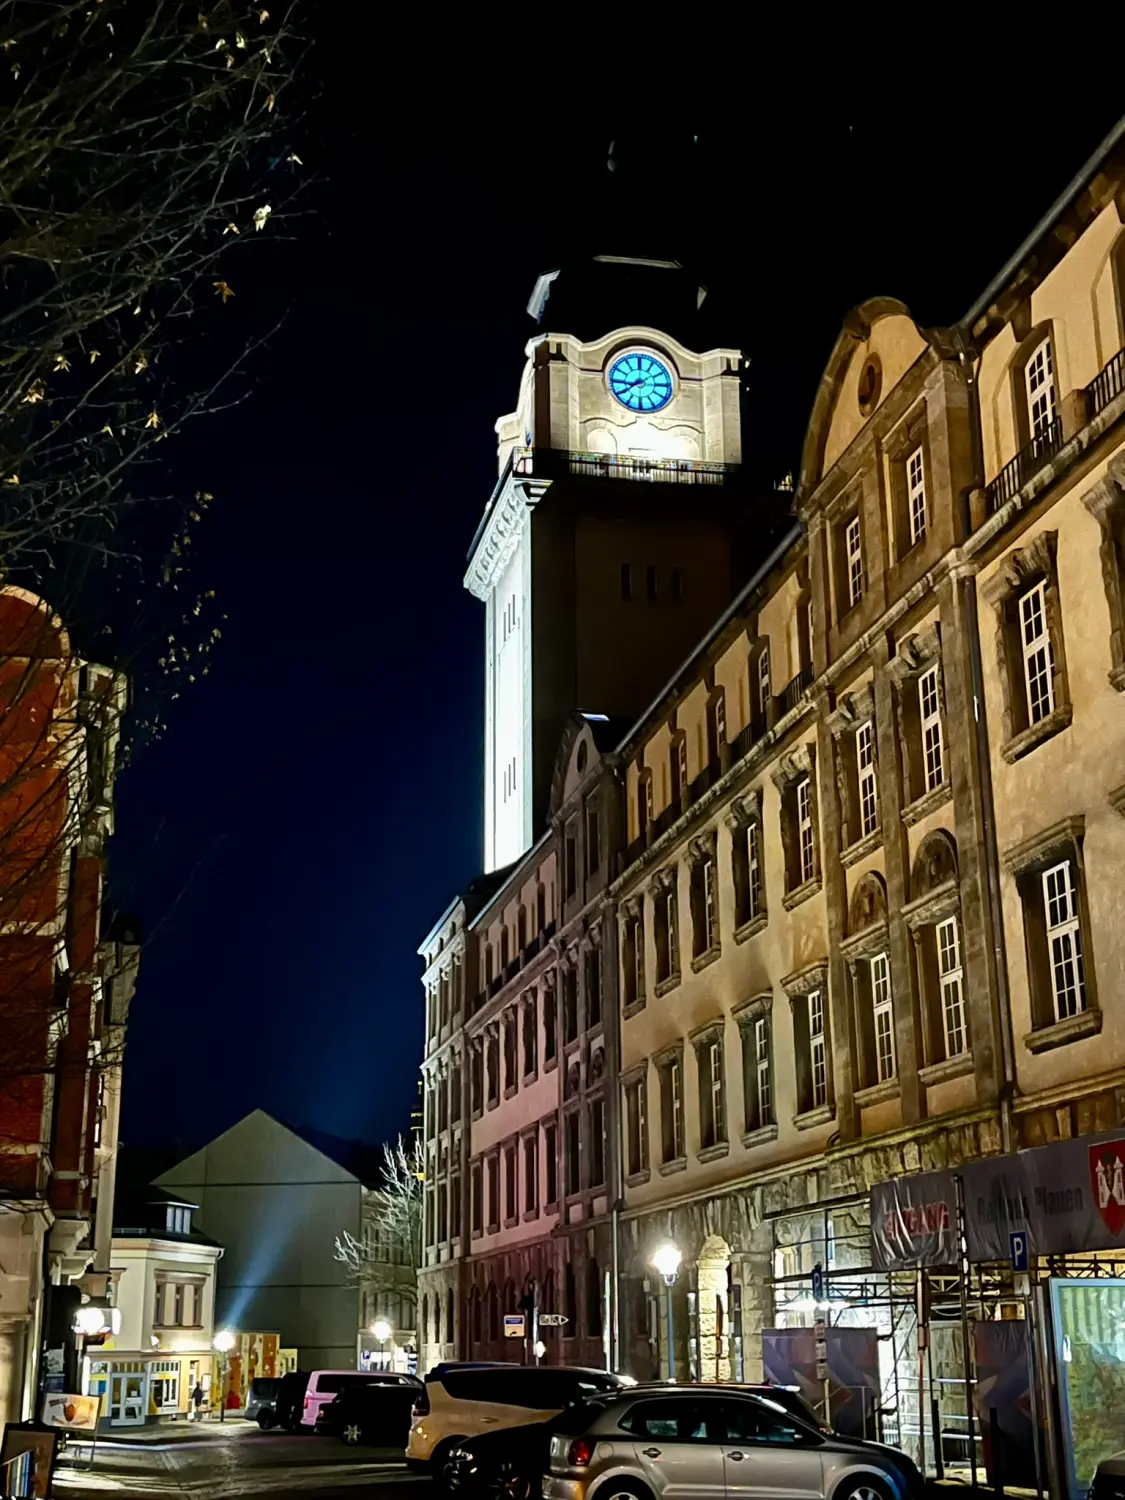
171 1432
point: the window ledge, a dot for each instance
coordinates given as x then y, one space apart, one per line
1059 1033
1028 739
529 1214
760 1137
638 1179
800 893
704 959
877 1093
512 1222
477 1234
949 1067
927 803
861 848
551 1208
493 1229
714 1153
529 1078
551 1064
824 1114
511 1091
634 1008
752 928
1117 678
670 1168
492 1104
666 985
476 1114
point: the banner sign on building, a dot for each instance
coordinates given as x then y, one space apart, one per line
1066 1197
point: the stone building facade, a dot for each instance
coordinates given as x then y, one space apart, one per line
859 916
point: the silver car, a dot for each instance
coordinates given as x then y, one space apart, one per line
714 1443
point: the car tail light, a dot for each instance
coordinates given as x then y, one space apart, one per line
421 1407
580 1453
308 1403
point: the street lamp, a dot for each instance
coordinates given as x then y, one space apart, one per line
382 1331
224 1343
666 1260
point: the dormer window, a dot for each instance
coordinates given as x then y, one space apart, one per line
177 1219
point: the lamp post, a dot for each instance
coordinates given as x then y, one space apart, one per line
382 1331
224 1343
666 1260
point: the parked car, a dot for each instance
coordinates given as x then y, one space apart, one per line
261 1401
290 1400
377 1413
325 1385
1109 1479
460 1401
714 1442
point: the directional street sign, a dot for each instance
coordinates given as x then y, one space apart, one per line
552 1320
515 1326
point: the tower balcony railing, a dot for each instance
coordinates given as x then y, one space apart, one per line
551 463
1107 384
1027 462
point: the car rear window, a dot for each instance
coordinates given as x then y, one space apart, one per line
328 1385
535 1390
264 1388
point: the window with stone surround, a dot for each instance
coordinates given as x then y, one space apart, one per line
666 923
908 453
529 1022
455 1089
592 967
593 837
632 953
529 1144
455 1206
857 772
747 873
762 678
678 767
551 1163
757 1066
849 570
867 960
476 1198
933 918
1024 592
795 780
704 899
596 1127
476 1076
550 1021
669 1066
1106 503
572 1153
808 998
492 1181
716 725
510 1024
569 974
511 1183
916 674
634 1088
1049 872
711 1073
492 1065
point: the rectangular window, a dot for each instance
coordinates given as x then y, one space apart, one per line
805 830
570 855
677 584
952 989
530 1173
883 1013
455 1207
636 1128
593 840
670 918
853 552
597 1143
1038 661
681 760
865 766
721 718
551 1163
933 748
710 915
593 987
916 495
573 1163
178 1305
626 581
672 1110
754 867
764 679
493 1170
1039 375
1064 940
762 1078
713 1124
550 1026
530 1050
650 583
511 1202
476 1196
818 1057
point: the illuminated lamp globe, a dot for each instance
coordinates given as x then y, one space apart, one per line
224 1341
666 1260
382 1330
89 1320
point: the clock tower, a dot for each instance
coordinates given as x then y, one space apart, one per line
614 536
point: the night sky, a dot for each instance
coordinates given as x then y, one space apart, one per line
316 802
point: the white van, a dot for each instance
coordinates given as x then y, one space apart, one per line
460 1401
325 1385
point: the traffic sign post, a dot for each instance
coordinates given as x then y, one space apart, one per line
515 1326
1017 1242
552 1320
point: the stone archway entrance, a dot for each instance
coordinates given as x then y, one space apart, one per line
714 1311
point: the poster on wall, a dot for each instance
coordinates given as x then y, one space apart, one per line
1088 1321
1003 1367
75 1413
789 1358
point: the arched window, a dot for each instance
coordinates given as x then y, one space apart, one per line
593 1300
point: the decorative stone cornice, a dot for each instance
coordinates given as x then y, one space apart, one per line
745 810
504 523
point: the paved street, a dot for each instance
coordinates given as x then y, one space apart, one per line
229 1459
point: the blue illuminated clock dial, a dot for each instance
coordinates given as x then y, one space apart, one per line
641 382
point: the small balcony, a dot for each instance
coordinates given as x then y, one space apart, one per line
794 690
1027 463
747 737
1108 383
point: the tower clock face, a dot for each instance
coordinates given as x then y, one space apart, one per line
640 381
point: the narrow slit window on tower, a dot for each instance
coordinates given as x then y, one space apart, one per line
650 583
626 581
677 584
